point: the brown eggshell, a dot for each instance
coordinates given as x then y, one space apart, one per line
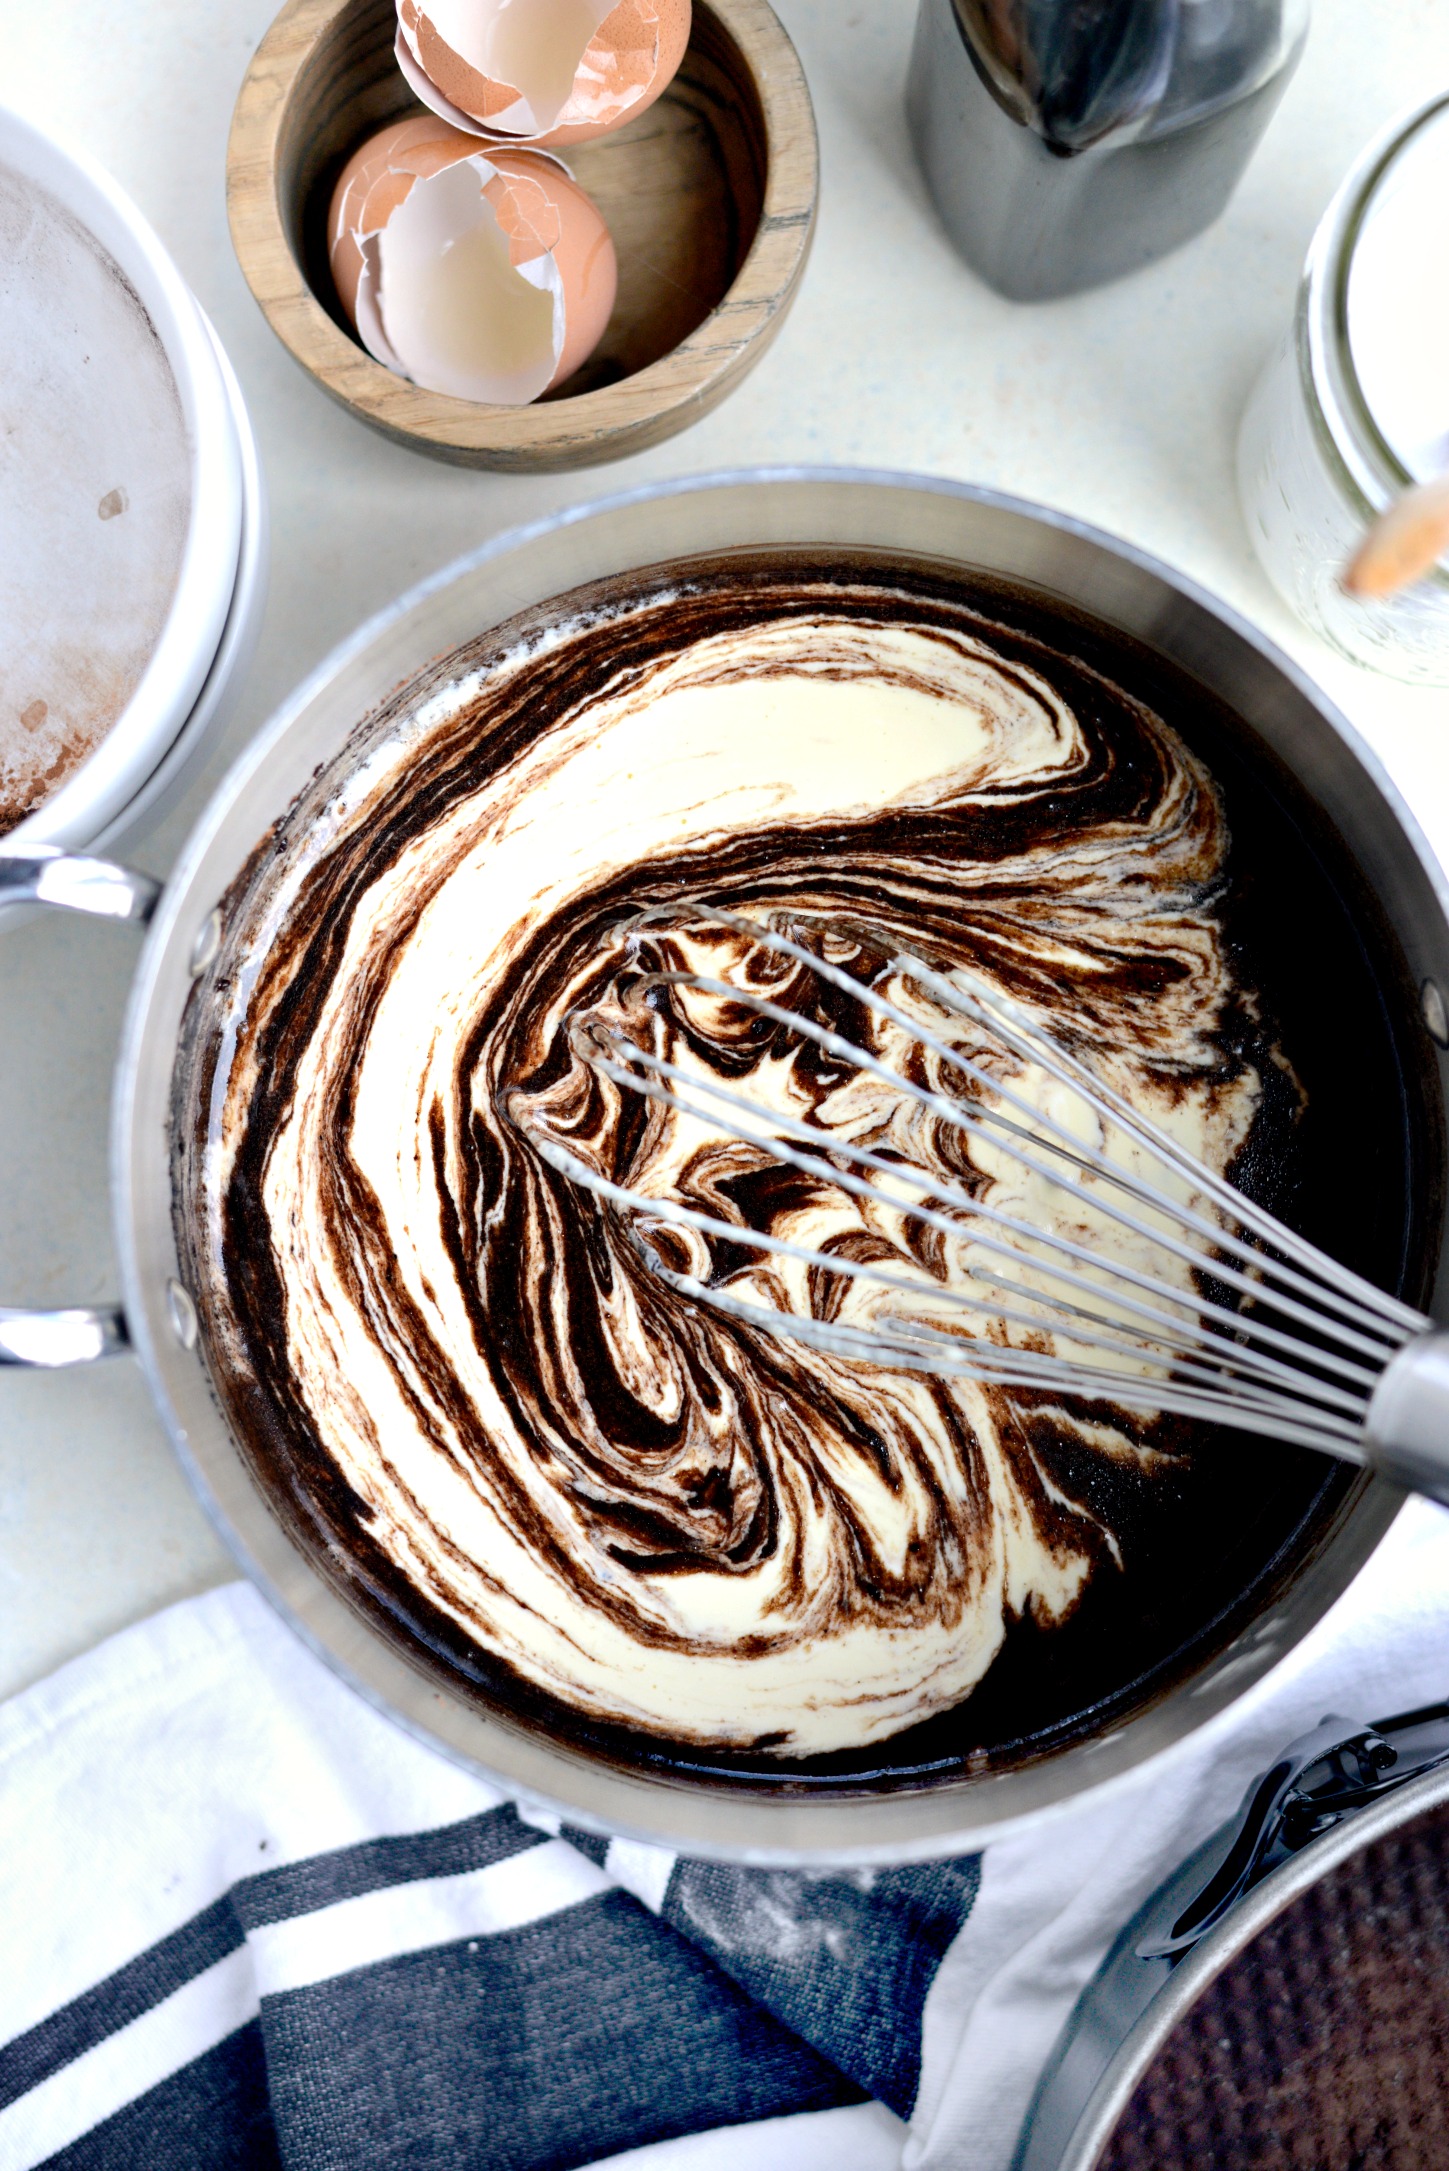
622 54
461 85
375 180
539 207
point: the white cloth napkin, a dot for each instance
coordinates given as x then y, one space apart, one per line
189 1759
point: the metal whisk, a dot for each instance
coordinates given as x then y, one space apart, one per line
1167 1290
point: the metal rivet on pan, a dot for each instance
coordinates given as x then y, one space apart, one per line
1436 1017
182 1313
207 943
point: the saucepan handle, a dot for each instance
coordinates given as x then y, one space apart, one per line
69 882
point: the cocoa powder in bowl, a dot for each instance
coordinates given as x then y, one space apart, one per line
95 494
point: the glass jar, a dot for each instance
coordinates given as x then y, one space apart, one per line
1354 407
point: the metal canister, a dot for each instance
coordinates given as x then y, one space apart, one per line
1067 142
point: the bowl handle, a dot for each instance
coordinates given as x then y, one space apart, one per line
71 883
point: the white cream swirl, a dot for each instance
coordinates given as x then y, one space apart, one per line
653 1517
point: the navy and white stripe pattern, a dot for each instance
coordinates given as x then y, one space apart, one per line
483 1991
245 1922
483 1994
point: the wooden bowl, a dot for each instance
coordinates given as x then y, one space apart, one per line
710 197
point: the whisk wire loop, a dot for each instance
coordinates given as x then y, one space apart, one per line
997 1011
914 1344
1009 1024
1190 1336
1171 1331
981 1123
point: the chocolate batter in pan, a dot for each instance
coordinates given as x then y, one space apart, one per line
630 1520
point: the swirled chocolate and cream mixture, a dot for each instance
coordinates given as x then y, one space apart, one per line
455 1369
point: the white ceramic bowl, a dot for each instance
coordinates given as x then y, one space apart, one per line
224 547
168 782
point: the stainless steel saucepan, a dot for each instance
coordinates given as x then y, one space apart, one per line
889 518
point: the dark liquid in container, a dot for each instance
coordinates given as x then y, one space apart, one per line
1065 159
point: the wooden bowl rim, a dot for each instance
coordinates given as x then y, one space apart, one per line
653 402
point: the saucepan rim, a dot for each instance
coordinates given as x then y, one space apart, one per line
692 1816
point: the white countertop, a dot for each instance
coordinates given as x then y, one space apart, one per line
1119 406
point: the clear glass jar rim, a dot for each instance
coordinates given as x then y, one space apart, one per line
1376 473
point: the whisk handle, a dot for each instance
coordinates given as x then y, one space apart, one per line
1406 1436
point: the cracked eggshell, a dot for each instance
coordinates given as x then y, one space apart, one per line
546 72
484 273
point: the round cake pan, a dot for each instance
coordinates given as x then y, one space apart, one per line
889 519
219 569
1304 1999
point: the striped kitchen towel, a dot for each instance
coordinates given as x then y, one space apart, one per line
246 1922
